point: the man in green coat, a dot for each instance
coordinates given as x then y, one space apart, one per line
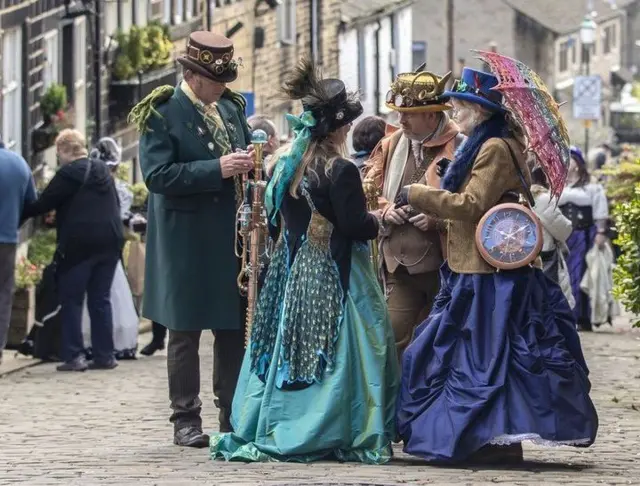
190 136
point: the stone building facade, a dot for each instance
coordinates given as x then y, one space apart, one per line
544 34
272 40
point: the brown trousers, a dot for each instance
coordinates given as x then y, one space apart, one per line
409 300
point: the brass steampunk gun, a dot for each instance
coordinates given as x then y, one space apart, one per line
251 224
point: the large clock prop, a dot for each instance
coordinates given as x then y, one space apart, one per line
509 236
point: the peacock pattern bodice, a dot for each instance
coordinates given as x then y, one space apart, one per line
303 301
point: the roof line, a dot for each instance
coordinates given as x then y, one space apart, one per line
381 12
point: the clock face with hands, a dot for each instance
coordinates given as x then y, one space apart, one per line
509 236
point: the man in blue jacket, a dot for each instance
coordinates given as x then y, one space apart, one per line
16 189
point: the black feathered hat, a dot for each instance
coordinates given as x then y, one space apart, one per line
328 100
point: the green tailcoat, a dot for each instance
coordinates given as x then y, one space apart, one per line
191 269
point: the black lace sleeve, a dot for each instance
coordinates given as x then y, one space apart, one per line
349 203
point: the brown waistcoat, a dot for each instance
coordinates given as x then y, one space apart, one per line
419 251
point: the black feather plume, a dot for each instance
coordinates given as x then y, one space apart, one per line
305 82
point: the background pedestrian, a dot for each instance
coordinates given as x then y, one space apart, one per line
16 189
89 244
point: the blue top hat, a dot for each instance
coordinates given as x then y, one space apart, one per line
475 87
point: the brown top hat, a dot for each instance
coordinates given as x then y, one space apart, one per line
211 55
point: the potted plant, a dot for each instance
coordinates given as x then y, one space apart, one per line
55 116
143 61
140 50
123 172
27 275
140 194
42 247
53 101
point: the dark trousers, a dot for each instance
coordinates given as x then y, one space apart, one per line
92 277
7 277
183 366
158 332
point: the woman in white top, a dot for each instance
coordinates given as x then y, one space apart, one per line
585 204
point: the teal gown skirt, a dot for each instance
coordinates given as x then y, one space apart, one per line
348 415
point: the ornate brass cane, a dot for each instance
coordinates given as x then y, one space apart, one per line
252 231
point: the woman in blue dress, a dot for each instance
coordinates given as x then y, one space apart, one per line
498 361
319 378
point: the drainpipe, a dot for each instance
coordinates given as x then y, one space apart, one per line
24 94
377 57
450 34
97 61
313 6
394 47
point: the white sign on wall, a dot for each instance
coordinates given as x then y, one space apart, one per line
587 98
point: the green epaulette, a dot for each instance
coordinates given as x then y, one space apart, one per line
236 98
139 114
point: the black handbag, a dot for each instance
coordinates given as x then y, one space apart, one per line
581 217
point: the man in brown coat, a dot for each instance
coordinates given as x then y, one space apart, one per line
411 246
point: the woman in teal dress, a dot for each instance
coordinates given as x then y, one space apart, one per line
320 375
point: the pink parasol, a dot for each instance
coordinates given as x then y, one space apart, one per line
537 112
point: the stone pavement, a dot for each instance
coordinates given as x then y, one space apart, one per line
110 427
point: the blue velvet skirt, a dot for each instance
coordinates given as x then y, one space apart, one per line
498 361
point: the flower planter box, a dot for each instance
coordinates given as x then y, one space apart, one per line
44 137
123 95
22 316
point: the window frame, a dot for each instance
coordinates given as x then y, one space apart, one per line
288 36
563 56
12 106
51 71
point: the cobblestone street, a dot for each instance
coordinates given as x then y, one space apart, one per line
110 427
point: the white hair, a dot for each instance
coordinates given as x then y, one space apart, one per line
479 114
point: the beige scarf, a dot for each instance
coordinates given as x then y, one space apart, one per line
395 169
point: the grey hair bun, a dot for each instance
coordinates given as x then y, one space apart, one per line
107 150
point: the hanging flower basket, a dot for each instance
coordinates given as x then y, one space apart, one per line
44 137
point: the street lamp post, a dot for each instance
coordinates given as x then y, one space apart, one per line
587 39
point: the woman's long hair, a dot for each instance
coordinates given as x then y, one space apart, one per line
319 157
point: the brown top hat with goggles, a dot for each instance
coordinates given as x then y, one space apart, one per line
211 55
418 91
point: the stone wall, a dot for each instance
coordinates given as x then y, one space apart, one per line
477 23
266 68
